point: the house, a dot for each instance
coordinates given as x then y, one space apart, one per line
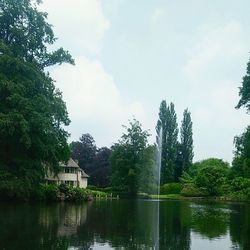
71 174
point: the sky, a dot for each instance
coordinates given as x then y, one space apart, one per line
131 55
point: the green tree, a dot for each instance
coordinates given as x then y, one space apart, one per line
100 168
244 92
241 161
171 144
128 159
84 150
161 136
210 175
167 133
32 112
185 147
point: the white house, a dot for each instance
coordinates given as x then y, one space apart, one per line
71 174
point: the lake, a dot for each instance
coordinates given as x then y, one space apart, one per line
125 224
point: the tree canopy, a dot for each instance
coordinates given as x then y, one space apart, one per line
131 161
32 112
244 92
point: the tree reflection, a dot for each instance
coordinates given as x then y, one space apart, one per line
121 224
210 221
240 225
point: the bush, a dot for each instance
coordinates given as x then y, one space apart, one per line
13 188
171 188
240 189
50 192
191 190
211 179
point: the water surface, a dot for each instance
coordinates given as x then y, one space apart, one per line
125 224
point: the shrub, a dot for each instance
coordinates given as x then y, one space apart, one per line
171 188
240 189
51 192
191 190
14 189
211 179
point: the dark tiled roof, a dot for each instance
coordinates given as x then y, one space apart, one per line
71 163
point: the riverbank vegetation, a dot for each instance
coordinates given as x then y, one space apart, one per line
33 138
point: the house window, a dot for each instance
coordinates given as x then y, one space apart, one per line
70 183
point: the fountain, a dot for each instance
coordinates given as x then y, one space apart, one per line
158 181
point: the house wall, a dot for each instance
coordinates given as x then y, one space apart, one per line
75 177
83 182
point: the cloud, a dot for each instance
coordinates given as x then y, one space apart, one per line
93 99
157 15
79 24
219 46
214 68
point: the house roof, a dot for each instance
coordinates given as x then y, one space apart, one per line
72 164
84 174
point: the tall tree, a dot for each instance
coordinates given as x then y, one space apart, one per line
241 160
186 140
171 143
84 151
167 134
32 112
161 136
244 92
127 159
101 168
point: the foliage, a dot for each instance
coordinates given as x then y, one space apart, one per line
49 192
84 151
13 188
32 112
240 189
94 161
161 135
176 156
25 33
207 177
186 144
241 161
100 169
171 188
130 161
191 190
245 91
212 176
167 125
171 144
147 177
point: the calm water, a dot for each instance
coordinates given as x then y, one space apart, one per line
125 224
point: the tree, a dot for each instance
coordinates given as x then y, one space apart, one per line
185 147
210 175
128 159
84 151
245 91
100 168
32 112
171 144
241 161
167 133
25 34
161 136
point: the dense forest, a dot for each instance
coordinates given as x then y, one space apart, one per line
33 138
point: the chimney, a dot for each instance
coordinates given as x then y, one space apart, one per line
76 161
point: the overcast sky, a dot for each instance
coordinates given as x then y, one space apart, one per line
130 55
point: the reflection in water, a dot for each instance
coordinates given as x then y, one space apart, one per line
124 224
